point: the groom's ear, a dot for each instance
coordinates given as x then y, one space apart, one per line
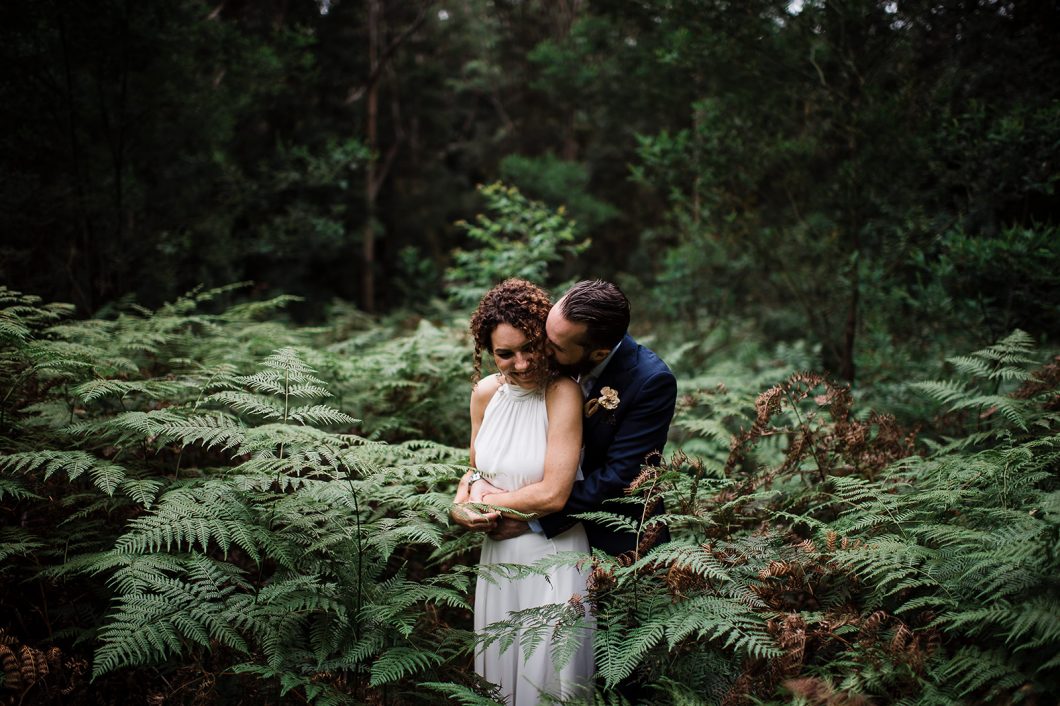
599 354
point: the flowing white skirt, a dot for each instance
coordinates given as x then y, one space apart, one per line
523 680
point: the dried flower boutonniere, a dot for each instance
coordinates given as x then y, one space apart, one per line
608 399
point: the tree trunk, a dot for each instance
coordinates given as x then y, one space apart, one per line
80 267
375 12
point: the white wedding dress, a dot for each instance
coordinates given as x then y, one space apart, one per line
510 452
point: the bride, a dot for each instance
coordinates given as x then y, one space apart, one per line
525 446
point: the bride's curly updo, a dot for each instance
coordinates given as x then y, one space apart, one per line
517 303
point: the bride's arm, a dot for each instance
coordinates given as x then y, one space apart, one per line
480 397
563 401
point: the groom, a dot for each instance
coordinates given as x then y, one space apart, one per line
630 396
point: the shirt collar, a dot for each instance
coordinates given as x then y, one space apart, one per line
589 378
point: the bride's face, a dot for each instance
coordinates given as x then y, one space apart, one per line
514 356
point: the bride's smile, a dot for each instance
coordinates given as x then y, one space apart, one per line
514 356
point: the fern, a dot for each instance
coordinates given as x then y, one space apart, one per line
989 379
107 477
213 493
217 430
198 607
17 542
460 694
398 662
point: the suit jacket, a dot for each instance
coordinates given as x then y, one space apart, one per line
619 442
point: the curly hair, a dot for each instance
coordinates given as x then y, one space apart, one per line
517 303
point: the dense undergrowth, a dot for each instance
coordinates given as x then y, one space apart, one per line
204 507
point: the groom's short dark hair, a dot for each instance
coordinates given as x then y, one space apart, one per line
602 307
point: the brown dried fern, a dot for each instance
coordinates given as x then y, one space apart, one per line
819 693
25 667
825 432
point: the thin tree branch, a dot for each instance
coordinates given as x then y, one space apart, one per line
358 92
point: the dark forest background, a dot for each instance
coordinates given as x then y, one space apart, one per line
846 172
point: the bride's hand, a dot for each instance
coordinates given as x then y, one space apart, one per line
482 488
466 516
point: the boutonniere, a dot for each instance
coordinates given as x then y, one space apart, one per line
608 399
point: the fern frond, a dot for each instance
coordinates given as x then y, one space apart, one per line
199 607
105 475
618 649
460 694
146 424
15 541
248 403
210 430
398 662
15 490
697 559
971 669
287 364
11 329
410 528
135 642
142 490
155 389
609 520
248 311
946 392
1015 411
75 463
320 415
197 516
400 594
971 366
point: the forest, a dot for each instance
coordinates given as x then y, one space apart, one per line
241 243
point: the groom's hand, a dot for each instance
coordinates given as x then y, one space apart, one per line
507 528
468 518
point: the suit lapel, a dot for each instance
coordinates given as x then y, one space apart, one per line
614 374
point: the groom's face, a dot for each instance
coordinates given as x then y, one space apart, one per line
566 344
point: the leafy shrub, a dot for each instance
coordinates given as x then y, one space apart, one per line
521 239
185 478
206 516
849 563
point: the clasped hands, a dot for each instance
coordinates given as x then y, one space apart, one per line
492 522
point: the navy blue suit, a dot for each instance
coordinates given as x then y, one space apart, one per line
618 442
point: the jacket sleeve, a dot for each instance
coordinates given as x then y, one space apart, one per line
641 433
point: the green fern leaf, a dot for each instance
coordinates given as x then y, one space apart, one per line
105 476
398 662
210 430
142 490
96 389
16 490
320 415
15 541
460 694
248 403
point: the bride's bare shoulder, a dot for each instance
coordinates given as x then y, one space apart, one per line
563 388
485 388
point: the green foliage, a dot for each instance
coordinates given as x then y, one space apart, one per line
805 188
407 382
837 564
559 183
1001 282
217 510
520 239
996 394
214 509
